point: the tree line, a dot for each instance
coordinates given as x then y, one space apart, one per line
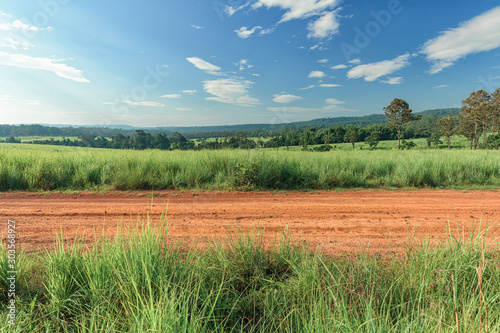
479 115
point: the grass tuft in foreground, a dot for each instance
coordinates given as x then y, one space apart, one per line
144 283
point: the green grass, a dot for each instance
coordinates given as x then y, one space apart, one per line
142 282
32 138
34 168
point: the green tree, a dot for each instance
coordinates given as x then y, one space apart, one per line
373 139
477 110
434 139
447 126
399 113
351 136
495 109
88 140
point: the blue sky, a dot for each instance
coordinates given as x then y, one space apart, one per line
215 62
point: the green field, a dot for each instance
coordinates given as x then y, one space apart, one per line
34 168
145 283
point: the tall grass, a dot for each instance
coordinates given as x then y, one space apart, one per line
87 169
143 283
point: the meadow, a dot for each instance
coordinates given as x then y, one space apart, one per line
44 168
143 282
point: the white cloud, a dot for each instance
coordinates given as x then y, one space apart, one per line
479 34
171 96
196 26
202 64
20 101
299 9
52 65
333 101
324 27
15 44
442 86
190 92
329 85
19 25
331 106
393 80
183 109
322 61
285 98
339 67
373 71
243 64
145 103
231 91
355 61
244 33
308 87
134 103
230 10
317 74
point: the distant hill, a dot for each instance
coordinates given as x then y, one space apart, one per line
320 122
201 131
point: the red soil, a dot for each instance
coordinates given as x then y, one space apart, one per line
336 221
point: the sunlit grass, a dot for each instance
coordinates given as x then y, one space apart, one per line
142 282
87 169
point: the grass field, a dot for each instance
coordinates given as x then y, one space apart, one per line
143 283
34 168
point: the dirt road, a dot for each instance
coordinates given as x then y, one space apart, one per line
337 221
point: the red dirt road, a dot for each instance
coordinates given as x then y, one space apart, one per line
336 221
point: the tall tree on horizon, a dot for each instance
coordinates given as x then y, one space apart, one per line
399 113
447 126
477 110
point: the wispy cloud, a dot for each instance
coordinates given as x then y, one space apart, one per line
196 26
18 100
479 34
442 86
355 61
19 25
244 33
298 9
373 71
285 98
183 109
172 96
203 65
190 92
329 85
331 106
316 74
326 25
145 103
322 61
15 44
393 80
231 91
135 103
308 87
52 65
339 66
